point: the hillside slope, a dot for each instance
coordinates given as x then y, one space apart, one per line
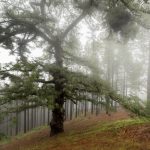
115 132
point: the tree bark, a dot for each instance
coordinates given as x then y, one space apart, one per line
107 105
148 82
57 121
58 112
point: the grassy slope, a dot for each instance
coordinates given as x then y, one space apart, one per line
89 134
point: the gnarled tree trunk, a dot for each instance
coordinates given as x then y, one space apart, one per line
58 112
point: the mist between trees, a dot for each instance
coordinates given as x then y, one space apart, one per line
92 51
18 123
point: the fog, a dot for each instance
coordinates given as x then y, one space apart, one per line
66 58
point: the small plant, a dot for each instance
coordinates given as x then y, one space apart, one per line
2 136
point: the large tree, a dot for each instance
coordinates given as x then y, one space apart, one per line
46 24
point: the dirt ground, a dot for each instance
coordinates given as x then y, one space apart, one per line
101 141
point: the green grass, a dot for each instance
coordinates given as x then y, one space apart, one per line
103 136
7 139
120 124
112 126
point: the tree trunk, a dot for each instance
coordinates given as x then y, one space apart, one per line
107 105
76 108
25 121
58 112
148 82
71 110
57 121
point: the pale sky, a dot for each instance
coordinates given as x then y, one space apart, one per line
5 57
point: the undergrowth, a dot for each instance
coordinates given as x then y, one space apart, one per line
103 136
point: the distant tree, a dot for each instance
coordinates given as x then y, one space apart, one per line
148 83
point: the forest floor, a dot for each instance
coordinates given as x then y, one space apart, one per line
115 132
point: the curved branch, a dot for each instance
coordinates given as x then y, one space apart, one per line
73 24
137 8
44 81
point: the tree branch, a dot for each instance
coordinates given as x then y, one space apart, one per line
134 8
73 24
44 81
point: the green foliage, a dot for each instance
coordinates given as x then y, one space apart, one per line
118 18
77 87
2 136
